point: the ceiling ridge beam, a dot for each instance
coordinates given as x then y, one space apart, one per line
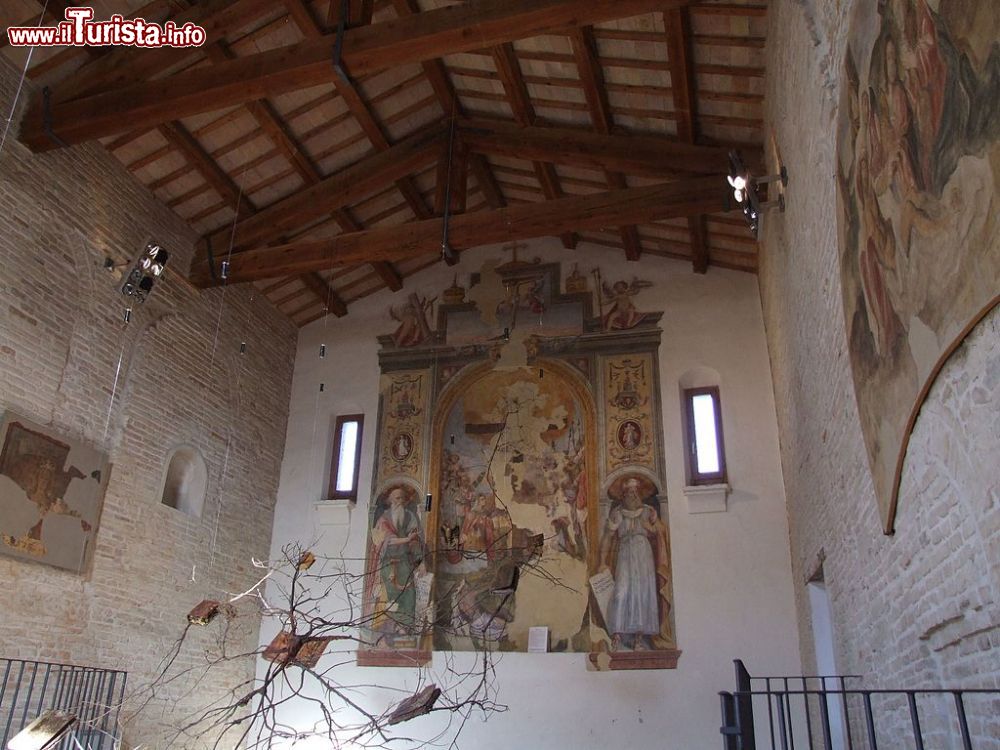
517 222
509 69
635 154
380 46
437 76
594 90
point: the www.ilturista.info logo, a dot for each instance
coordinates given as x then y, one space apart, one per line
78 30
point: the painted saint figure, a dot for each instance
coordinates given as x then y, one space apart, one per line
485 527
628 435
634 550
413 328
396 554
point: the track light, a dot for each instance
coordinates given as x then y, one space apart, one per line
148 267
745 186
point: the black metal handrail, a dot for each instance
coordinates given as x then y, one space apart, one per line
29 688
809 714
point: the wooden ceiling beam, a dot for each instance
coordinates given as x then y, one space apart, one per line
366 49
280 134
325 292
437 75
126 66
336 191
356 104
303 17
634 154
359 12
178 137
309 27
517 222
680 56
595 91
509 71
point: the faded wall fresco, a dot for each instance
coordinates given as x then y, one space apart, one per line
531 420
51 492
514 464
919 154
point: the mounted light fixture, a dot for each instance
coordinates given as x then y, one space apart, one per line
745 190
148 267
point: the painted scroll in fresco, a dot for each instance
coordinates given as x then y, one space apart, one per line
919 144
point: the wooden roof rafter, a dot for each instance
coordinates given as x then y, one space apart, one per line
437 75
585 52
677 26
412 39
600 90
522 221
517 96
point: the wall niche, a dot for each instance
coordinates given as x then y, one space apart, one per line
185 481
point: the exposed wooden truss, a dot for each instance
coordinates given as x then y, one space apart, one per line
365 49
556 102
524 221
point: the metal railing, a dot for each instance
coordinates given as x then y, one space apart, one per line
833 712
94 696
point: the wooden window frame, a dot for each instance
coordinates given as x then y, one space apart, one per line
694 477
338 429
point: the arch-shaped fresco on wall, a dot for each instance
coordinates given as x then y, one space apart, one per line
918 128
514 455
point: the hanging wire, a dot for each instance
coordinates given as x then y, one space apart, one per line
211 365
225 264
20 83
114 388
322 355
446 251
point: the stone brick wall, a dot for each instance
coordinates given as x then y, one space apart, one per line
921 607
182 381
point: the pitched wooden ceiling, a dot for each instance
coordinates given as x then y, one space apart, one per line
616 115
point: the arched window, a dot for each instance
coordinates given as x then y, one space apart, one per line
185 481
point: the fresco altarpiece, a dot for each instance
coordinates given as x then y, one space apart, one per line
519 478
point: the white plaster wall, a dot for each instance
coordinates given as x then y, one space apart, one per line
732 576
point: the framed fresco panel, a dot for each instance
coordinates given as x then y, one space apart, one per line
51 492
918 145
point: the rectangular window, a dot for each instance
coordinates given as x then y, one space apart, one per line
346 465
706 458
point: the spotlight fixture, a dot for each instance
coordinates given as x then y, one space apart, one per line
148 267
745 190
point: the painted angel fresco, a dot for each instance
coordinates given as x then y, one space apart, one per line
621 313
